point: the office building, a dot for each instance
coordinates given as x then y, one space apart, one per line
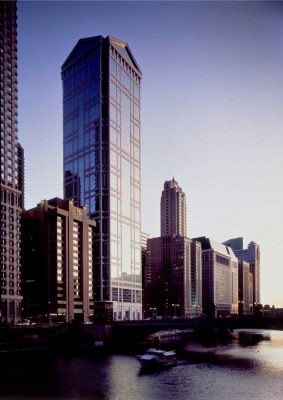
245 288
12 168
144 239
174 277
101 85
173 210
57 261
252 256
219 277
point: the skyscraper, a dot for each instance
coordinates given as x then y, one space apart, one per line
101 84
11 168
173 276
173 210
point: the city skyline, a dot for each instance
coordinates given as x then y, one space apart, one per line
212 88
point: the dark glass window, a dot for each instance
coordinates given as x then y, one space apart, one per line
68 85
68 149
68 128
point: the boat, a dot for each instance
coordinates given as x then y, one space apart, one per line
250 337
157 358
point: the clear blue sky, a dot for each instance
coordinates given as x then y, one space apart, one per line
212 116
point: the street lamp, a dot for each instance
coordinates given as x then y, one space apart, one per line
175 307
153 311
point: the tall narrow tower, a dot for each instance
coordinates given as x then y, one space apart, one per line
11 168
173 210
101 85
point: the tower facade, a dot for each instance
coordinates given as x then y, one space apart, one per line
101 94
11 169
173 210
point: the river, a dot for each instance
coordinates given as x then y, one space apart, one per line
226 371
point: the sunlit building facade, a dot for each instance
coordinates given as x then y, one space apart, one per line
101 85
219 278
12 169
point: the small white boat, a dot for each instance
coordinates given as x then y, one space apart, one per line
155 358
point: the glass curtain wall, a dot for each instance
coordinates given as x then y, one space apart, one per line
101 84
125 225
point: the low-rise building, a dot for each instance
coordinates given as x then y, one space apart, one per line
57 261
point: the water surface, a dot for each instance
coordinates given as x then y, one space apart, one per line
227 371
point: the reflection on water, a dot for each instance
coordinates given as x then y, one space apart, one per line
226 371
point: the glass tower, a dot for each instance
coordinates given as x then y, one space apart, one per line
101 95
12 168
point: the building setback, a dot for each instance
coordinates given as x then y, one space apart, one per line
12 169
57 259
220 278
173 285
173 210
101 95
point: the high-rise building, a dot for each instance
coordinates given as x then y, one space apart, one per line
173 210
101 84
12 166
252 255
174 277
220 278
173 274
57 260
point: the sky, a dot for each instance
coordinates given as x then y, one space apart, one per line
212 95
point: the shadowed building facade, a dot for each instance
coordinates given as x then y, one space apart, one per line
12 169
101 95
174 277
57 258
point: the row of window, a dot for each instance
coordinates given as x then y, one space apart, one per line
126 295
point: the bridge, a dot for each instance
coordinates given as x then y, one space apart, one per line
133 331
124 335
